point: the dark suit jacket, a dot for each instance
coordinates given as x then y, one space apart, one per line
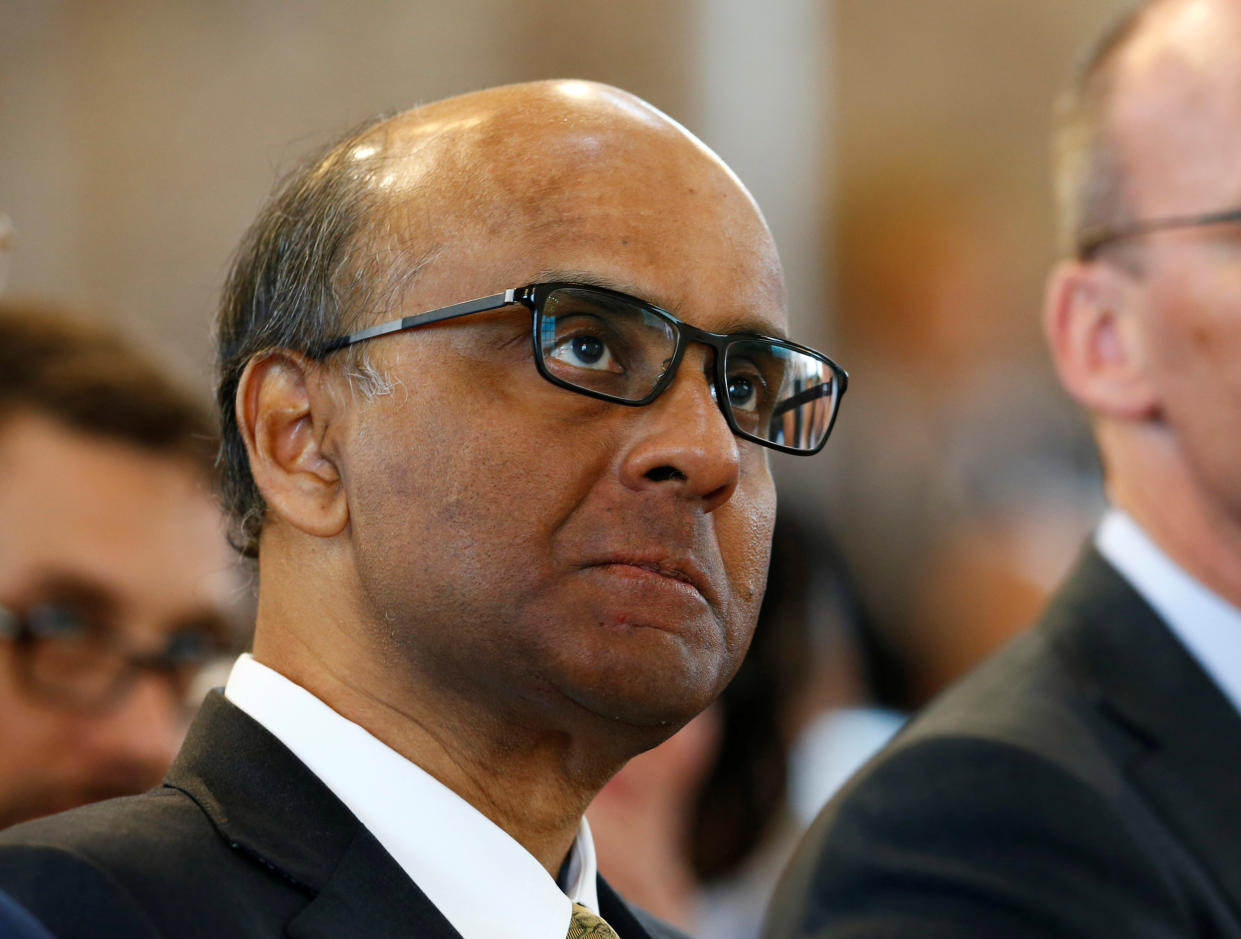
241 840
16 923
1085 782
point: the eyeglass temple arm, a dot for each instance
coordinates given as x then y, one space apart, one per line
465 308
1092 239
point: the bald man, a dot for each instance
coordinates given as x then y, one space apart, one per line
499 378
1087 781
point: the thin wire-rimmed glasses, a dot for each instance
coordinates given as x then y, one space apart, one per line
65 657
611 346
1093 239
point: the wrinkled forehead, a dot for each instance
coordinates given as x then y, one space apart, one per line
578 178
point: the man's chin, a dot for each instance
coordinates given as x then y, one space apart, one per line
648 707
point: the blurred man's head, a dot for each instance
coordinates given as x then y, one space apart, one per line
1145 320
114 573
495 529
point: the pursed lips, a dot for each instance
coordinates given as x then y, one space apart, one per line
681 570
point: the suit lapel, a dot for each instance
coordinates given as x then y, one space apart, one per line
271 808
1190 766
369 888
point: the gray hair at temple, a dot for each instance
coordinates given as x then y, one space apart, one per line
1089 176
318 261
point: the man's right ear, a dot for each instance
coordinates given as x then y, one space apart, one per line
1091 320
284 413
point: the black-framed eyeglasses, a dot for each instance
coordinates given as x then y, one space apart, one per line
1093 239
611 346
67 658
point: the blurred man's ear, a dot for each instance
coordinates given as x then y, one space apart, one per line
284 412
1091 322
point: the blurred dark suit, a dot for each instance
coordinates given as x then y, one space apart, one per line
16 923
1086 782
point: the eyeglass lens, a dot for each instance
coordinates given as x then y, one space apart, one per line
609 346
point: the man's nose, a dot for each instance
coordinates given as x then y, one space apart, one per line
143 728
683 440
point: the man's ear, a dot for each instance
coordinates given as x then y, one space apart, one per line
1091 323
283 413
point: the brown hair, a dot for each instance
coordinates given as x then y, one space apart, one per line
87 377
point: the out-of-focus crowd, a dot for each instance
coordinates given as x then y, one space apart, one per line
122 601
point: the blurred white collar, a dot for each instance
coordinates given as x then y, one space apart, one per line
1206 624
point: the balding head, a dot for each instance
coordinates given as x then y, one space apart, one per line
1176 102
1139 105
518 154
423 200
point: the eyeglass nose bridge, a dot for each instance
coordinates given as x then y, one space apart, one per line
714 370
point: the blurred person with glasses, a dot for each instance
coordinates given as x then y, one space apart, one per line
114 571
500 379
1084 781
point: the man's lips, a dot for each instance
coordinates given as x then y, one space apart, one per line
678 570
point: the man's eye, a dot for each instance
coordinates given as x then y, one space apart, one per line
743 392
586 351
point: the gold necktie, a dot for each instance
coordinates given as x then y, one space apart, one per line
587 925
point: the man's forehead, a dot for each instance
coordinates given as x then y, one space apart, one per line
742 316
534 111
525 146
141 528
511 131
500 188
719 282
1177 104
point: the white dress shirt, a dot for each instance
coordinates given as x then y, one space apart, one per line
482 881
1207 625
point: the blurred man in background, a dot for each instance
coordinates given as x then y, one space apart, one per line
114 570
1084 782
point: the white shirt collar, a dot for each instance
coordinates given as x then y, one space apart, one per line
483 882
1206 624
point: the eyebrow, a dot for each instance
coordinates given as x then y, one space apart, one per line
741 325
85 590
69 585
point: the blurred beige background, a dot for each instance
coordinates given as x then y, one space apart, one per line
898 147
